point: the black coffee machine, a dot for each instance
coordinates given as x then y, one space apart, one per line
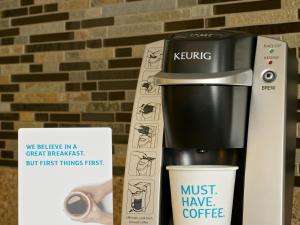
229 98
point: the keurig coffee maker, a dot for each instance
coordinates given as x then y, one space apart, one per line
220 98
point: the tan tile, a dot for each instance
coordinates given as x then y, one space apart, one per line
296 208
11 50
158 16
46 57
36 97
293 40
74 97
202 11
95 3
26 116
90 54
11 144
42 87
119 160
43 28
4 107
4 79
138 50
19 125
14 68
87 34
77 76
103 107
120 150
138 7
73 4
261 17
77 107
136 29
8 196
130 96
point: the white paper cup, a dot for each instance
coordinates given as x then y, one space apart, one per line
202 195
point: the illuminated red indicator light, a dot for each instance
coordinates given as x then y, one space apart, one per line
270 62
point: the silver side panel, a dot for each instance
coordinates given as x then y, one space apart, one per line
236 77
265 169
141 194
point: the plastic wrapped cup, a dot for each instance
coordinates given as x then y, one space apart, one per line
202 195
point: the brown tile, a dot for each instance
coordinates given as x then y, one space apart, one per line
113 74
74 25
108 21
99 117
97 43
9 87
7 125
9 116
2 144
8 162
120 139
99 96
123 117
184 25
56 46
52 37
27 58
39 107
9 59
74 66
9 32
36 9
51 7
297 181
27 2
7 41
123 63
41 117
120 170
89 86
117 95
40 19
136 40
40 77
127 106
48 125
247 6
280 28
74 125
8 135
118 85
73 87
7 97
36 68
127 128
15 12
298 142
123 52
65 117
7 154
215 22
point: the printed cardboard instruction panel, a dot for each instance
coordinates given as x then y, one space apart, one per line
65 176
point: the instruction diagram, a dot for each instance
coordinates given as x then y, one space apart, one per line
140 197
142 163
148 110
148 86
154 58
145 136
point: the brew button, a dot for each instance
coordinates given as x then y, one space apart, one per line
269 76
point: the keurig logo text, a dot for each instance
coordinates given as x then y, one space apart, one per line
192 55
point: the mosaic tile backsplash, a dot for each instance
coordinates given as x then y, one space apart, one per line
75 63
